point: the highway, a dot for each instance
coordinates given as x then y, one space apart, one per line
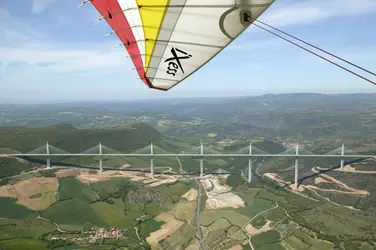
198 224
199 231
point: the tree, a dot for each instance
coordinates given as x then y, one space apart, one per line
235 179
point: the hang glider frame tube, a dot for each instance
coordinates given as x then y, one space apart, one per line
182 6
176 42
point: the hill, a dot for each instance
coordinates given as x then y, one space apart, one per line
298 116
74 140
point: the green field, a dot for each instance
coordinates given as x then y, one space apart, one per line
29 244
149 226
10 167
266 238
300 239
186 211
31 227
112 214
254 205
272 246
105 189
180 238
225 238
153 209
71 188
293 242
219 225
176 190
258 222
275 214
208 217
9 209
73 212
72 228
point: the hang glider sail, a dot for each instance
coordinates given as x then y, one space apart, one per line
168 40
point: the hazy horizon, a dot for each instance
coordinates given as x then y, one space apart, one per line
166 98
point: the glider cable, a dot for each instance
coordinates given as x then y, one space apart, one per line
322 50
310 51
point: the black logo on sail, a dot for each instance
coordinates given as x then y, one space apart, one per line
174 62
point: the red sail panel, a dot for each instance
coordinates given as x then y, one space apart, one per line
119 22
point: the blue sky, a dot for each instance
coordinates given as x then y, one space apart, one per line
51 51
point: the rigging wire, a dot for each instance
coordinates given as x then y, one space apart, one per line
336 64
316 47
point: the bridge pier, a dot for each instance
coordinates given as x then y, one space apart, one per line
296 167
342 154
250 164
152 167
100 158
100 165
342 164
249 171
151 160
201 167
48 161
296 173
202 161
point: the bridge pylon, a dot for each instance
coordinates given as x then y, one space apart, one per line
342 154
48 160
100 158
151 160
202 160
250 164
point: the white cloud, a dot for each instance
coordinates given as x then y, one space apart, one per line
62 59
40 5
29 52
3 67
311 11
14 31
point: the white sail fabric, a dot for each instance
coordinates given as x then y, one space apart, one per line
168 40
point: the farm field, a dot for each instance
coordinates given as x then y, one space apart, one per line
164 216
23 244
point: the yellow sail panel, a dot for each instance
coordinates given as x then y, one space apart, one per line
152 18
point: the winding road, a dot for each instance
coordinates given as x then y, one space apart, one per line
57 226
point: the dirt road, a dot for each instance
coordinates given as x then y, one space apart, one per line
254 217
57 226
339 183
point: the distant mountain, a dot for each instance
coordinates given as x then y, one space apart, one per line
226 108
273 115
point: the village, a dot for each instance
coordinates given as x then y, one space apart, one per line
99 233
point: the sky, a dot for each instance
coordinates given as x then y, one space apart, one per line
51 51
